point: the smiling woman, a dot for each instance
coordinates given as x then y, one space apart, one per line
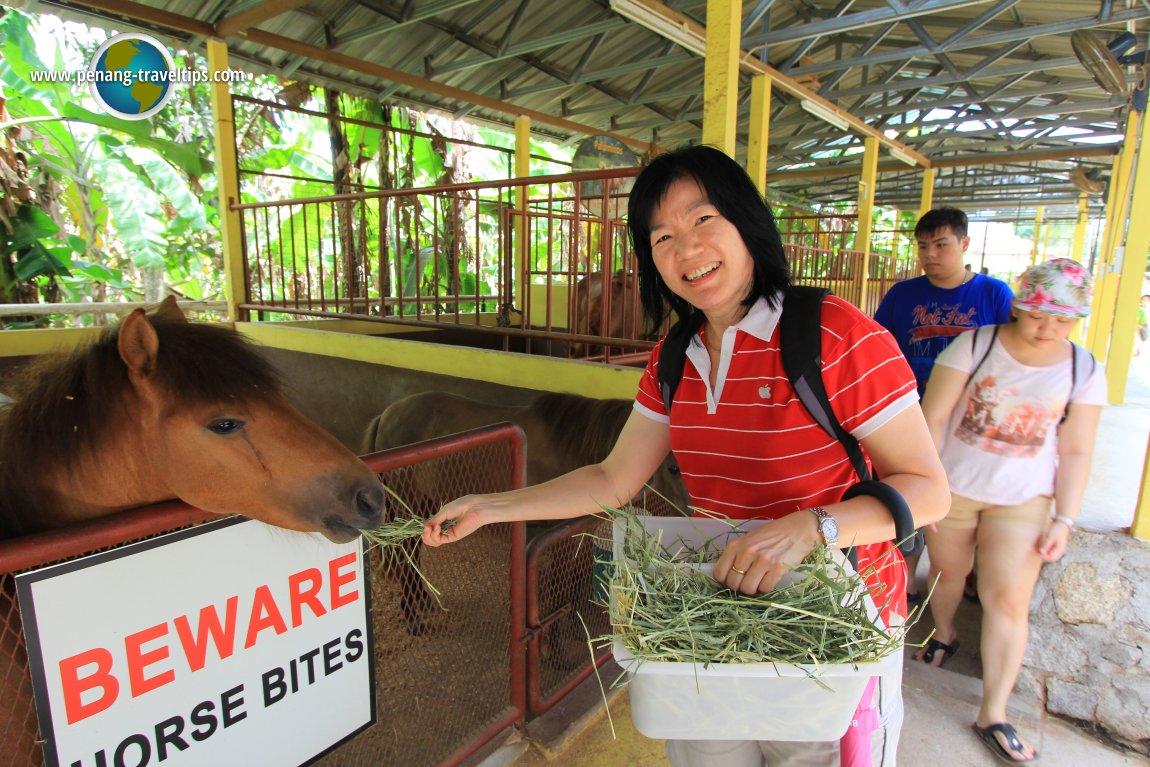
161 408
707 245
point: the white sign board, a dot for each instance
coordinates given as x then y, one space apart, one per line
232 643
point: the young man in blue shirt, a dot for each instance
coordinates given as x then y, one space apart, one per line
925 313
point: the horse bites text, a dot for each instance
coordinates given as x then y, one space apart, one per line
154 656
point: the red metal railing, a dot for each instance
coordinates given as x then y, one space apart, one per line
531 262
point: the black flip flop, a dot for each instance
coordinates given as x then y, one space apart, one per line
933 645
986 735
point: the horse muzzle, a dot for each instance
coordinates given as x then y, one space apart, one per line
365 512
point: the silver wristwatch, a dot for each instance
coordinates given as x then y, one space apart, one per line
828 527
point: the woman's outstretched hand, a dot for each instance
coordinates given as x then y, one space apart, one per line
757 561
457 519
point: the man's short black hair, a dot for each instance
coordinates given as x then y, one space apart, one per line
941 218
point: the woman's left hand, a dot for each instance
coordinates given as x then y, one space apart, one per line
757 561
1052 545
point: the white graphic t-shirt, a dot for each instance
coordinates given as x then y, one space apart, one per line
1001 446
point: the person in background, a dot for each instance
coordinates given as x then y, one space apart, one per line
706 242
1013 412
925 313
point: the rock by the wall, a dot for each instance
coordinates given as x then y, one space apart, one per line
1089 650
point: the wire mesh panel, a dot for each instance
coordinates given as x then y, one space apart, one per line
449 667
568 568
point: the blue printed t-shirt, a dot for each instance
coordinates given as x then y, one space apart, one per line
924 319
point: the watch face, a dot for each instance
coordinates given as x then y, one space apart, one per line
829 529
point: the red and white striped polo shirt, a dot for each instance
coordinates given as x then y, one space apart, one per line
749 449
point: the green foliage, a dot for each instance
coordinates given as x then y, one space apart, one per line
107 206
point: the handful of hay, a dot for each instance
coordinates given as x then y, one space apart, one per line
401 534
665 605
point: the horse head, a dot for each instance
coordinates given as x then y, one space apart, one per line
598 315
162 408
245 451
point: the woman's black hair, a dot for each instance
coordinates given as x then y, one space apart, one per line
728 188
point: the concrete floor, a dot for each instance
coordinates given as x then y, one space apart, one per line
940 703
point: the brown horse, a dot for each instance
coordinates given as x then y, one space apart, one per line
161 408
564 432
614 314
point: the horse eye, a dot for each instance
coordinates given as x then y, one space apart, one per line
225 426
673 468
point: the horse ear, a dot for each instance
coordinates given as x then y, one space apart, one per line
170 310
138 343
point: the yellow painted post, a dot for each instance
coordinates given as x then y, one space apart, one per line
1094 337
721 74
1038 211
522 250
1140 527
1106 294
1132 261
759 131
224 138
866 215
1080 230
927 200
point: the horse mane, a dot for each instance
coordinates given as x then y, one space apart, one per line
66 404
582 427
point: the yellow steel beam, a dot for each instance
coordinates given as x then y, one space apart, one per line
787 84
37 341
227 177
524 370
1095 339
927 200
759 131
1106 294
721 74
866 214
1140 527
520 266
1080 229
1132 268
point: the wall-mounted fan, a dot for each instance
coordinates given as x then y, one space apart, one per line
1088 181
1106 62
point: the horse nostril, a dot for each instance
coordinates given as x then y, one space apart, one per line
369 502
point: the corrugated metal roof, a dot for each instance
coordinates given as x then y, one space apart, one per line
952 79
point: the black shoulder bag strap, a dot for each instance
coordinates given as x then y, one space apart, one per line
800 337
985 354
1075 351
673 357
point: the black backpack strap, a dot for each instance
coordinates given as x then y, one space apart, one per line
1075 351
673 357
985 354
800 337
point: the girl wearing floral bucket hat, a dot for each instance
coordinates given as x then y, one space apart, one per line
1013 410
